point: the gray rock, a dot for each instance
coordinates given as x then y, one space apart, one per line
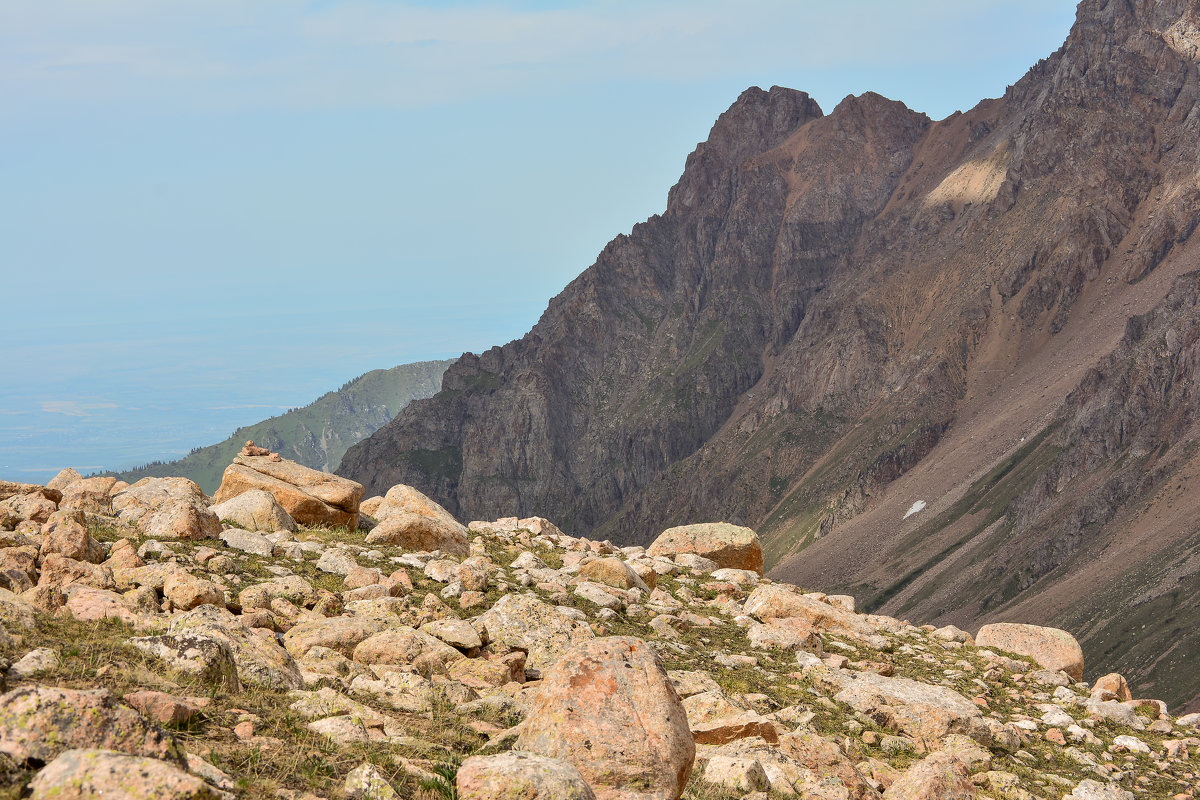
195 654
248 542
34 663
1089 789
337 562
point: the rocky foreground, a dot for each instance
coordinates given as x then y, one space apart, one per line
162 645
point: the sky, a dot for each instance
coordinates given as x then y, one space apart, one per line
215 210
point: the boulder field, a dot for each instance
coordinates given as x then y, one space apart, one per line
156 643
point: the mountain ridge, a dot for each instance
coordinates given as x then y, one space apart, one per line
316 435
829 302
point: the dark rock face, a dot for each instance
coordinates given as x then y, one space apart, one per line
838 315
643 357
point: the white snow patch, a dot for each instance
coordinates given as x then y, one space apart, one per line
914 508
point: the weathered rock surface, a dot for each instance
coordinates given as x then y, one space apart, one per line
778 601
918 709
88 495
167 508
729 546
64 533
310 497
39 722
209 657
255 510
92 773
260 661
1054 649
608 708
411 520
520 775
542 632
403 646
939 776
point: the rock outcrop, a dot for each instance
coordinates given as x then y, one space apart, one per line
308 496
166 508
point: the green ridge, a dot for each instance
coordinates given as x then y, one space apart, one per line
317 435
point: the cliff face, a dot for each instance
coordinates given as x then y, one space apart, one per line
837 316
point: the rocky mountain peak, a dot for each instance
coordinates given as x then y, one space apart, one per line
839 315
759 120
756 122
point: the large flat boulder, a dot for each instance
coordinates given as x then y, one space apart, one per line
309 496
1054 649
730 546
608 708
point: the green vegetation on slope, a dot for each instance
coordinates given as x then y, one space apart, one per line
318 434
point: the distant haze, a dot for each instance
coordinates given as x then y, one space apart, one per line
215 210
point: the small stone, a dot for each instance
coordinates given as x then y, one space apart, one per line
366 782
1111 687
163 708
739 774
34 663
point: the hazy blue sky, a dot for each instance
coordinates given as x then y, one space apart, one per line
211 210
